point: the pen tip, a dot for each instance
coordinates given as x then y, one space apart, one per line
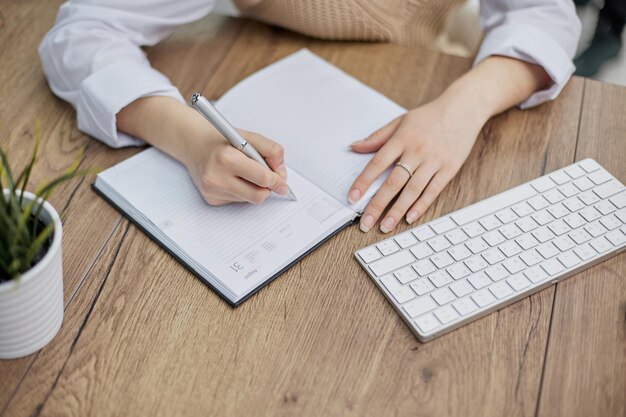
292 196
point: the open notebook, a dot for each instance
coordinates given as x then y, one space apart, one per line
314 110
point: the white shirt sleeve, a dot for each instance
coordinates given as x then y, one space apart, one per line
92 57
542 32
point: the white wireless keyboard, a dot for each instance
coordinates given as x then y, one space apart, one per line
462 266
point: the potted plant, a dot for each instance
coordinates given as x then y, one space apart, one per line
31 275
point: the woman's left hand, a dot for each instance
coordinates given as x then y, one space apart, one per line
432 141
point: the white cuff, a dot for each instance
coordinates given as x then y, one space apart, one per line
530 44
107 91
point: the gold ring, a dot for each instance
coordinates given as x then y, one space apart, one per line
406 167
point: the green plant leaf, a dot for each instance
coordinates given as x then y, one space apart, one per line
27 171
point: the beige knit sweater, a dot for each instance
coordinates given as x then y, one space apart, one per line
405 22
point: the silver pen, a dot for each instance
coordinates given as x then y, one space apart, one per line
208 110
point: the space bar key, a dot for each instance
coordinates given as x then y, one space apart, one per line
493 204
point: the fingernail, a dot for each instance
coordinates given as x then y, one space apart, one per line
366 223
354 196
387 224
356 142
412 216
282 190
282 171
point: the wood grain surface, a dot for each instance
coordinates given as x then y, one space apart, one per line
143 337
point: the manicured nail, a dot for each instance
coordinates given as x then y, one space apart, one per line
355 143
354 196
282 190
412 216
282 171
387 224
366 223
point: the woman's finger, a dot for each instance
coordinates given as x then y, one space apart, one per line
411 192
382 160
273 152
377 139
390 188
246 191
432 190
259 175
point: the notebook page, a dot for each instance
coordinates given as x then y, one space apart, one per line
241 245
315 111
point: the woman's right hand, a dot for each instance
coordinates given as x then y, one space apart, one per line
225 175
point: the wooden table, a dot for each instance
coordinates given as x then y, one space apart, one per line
142 336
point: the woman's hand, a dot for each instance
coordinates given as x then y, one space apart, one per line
433 141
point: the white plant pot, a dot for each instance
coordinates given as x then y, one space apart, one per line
31 307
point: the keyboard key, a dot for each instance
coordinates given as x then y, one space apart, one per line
423 233
558 210
401 293
422 286
490 222
461 288
531 257
560 177
616 237
510 248
543 234
459 252
497 272
605 207
542 217
527 241
388 247
559 227
589 165
608 189
522 209
458 271
443 296
601 244
573 204
441 260
473 229
446 314
475 263
506 216
501 290
548 250
583 184
568 190
476 245
465 306
619 200
440 278
442 226
427 323
479 280
621 214
392 262
590 214
405 275
493 204
369 254
588 198
564 243
543 184
419 306
421 251
611 222
585 251
595 229
535 274
514 265
574 171
510 231
405 240
574 220
553 196
439 243
568 259
494 238
493 256
456 236
424 267
552 266
518 282
483 298
599 177
538 203
580 236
